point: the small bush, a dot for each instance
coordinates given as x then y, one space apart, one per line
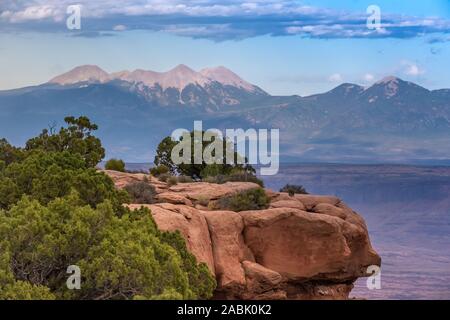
164 177
253 199
212 170
234 177
137 171
203 201
141 192
185 179
293 189
171 181
159 170
216 179
115 165
245 177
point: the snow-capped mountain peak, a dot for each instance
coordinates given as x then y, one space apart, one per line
179 77
85 73
226 76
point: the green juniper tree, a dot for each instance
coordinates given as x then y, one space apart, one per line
203 169
57 210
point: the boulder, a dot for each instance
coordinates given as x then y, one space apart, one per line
173 198
307 246
294 203
121 179
229 250
262 283
329 209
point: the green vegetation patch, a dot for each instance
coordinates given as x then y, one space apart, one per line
57 210
253 199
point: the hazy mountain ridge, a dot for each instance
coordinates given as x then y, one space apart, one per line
392 120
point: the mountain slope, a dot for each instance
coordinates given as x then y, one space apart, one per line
392 120
227 77
87 73
179 77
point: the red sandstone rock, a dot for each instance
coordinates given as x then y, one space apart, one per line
173 198
229 249
199 191
295 204
302 247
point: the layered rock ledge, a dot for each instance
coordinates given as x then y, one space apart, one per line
301 247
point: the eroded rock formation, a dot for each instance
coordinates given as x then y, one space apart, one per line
301 247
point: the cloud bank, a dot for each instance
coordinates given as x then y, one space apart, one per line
217 20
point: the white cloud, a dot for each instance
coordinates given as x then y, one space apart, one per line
243 19
38 12
119 27
335 77
199 8
412 69
368 77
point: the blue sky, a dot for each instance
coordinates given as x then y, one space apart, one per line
286 47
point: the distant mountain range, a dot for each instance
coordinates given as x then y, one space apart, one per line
391 121
209 89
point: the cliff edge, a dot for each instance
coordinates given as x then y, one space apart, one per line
301 247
